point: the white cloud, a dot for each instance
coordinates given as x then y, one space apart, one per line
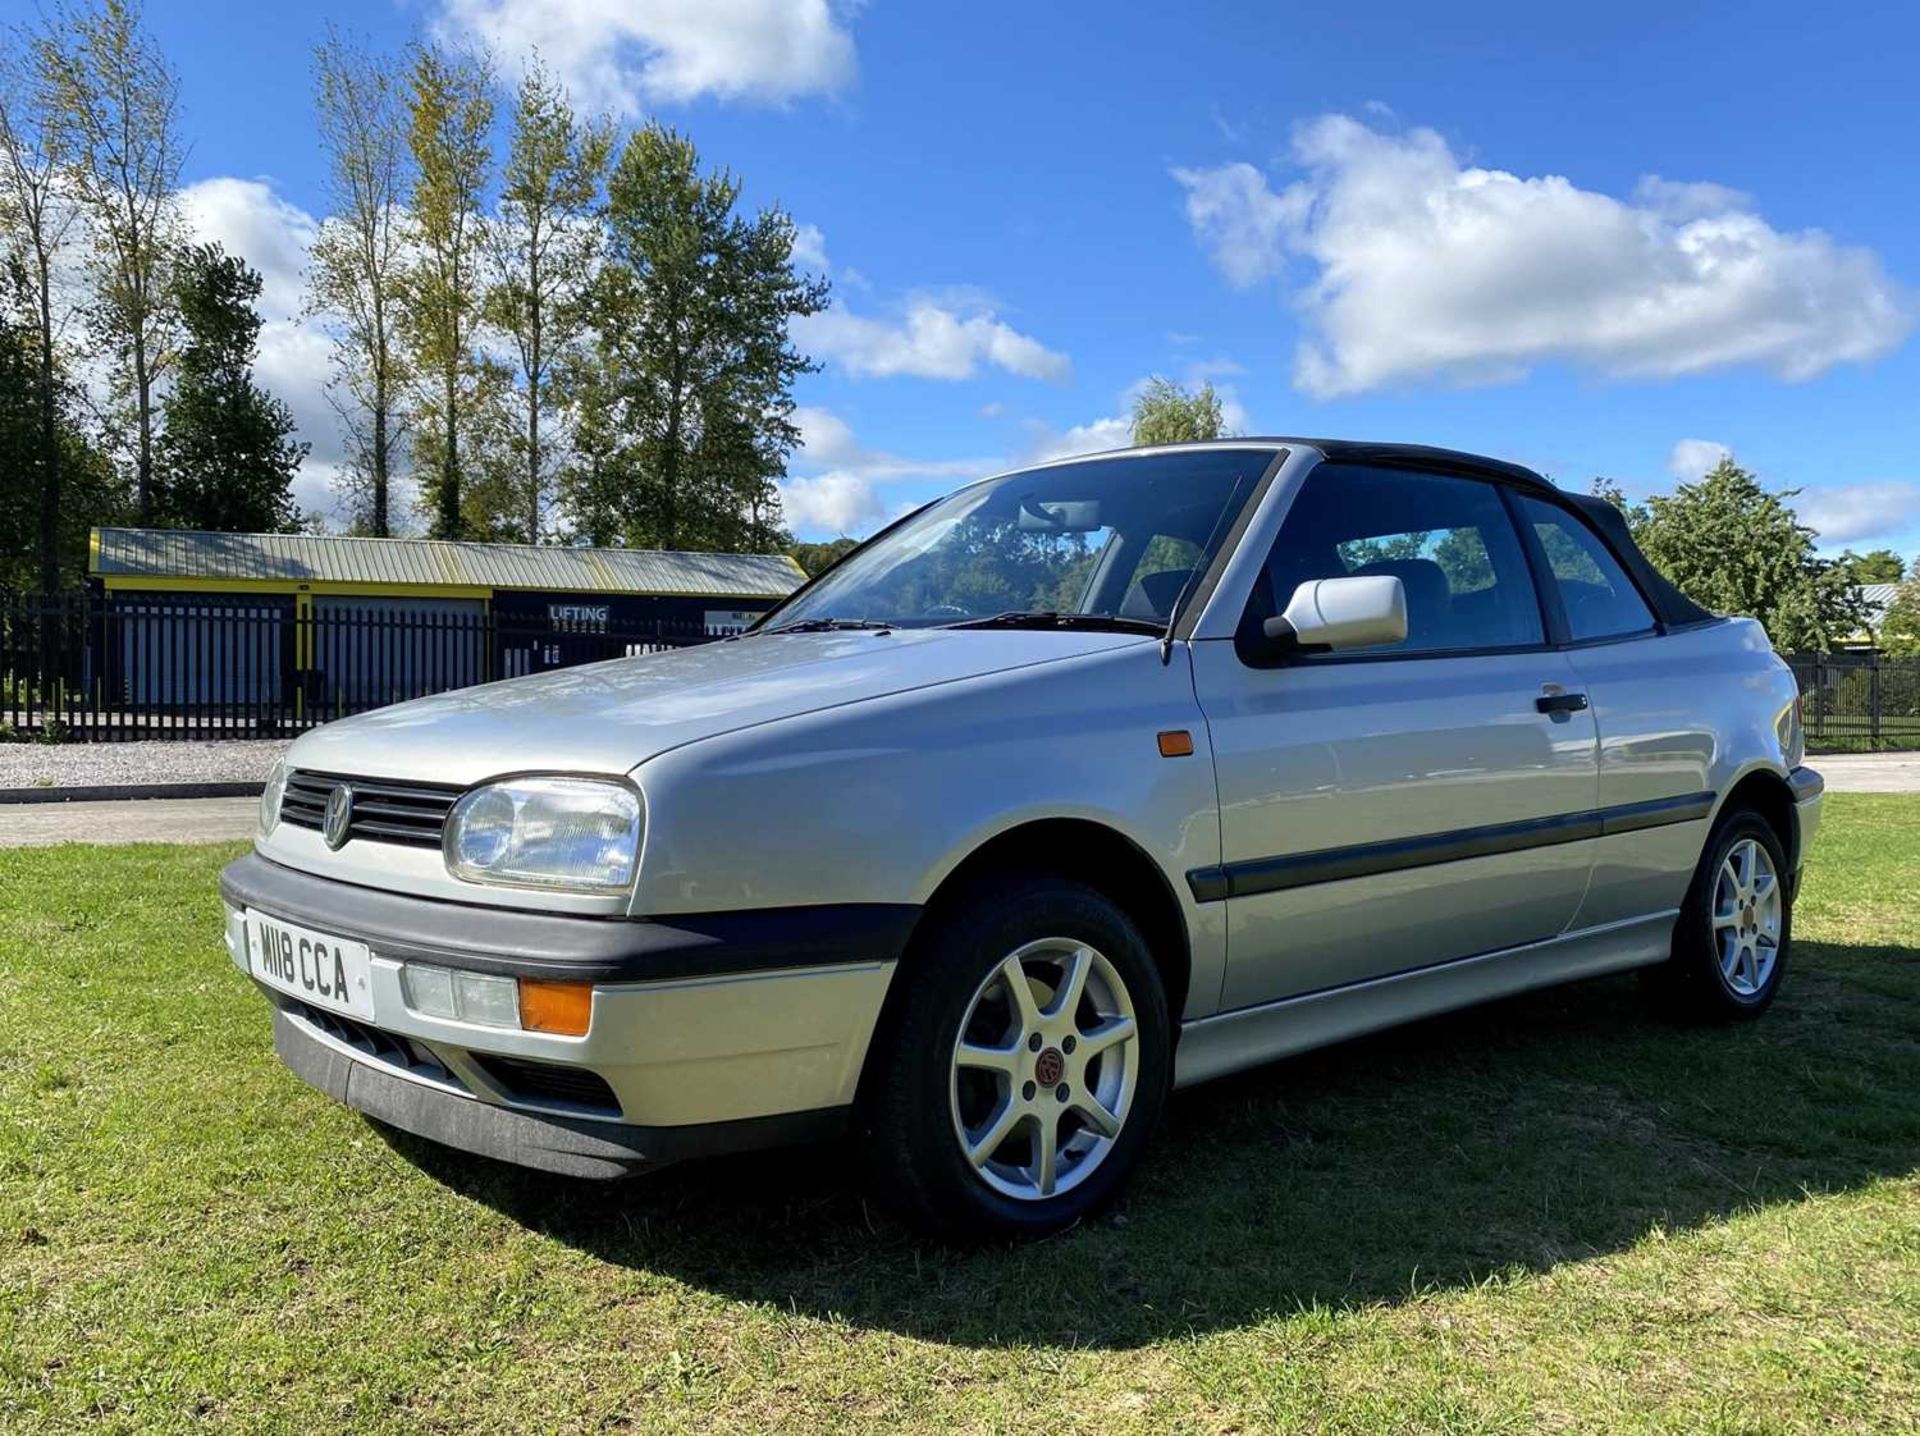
831 504
1692 458
849 496
1093 437
1428 269
827 441
1240 221
1852 512
825 437
810 248
628 55
246 217
933 339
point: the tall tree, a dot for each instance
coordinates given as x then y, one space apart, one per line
117 103
91 491
492 508
36 219
686 405
815 557
228 456
1734 547
356 263
449 115
1899 632
1881 565
544 243
1165 413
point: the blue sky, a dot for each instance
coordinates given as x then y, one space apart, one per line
1575 239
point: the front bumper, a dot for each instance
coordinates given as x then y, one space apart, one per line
544 1140
707 1033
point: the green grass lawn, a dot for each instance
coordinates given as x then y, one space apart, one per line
1555 1213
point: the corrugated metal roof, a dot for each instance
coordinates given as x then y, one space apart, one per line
327 558
1879 597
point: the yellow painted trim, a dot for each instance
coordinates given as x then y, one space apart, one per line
302 651
171 583
93 551
637 592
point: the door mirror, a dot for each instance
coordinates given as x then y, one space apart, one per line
1334 613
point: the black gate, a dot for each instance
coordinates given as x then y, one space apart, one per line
1858 702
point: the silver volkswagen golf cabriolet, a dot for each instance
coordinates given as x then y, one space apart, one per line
1082 783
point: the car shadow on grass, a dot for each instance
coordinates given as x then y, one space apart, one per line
1543 1129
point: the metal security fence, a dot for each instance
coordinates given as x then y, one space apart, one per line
1858 702
106 667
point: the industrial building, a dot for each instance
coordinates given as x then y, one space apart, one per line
327 624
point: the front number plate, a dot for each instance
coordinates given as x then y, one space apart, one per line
327 971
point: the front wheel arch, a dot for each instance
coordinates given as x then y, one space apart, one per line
1103 858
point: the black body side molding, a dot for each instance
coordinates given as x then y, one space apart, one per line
1293 870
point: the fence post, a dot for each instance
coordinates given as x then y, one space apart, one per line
1873 702
1819 700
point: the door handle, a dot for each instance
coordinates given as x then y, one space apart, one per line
1561 703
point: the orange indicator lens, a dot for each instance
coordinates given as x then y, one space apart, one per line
560 1007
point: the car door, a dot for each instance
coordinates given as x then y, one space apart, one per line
1651 700
1385 810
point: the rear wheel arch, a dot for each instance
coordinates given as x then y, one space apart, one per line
1765 792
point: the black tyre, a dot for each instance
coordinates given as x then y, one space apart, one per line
1735 932
1023 1064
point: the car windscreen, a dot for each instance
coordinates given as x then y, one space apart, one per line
1113 539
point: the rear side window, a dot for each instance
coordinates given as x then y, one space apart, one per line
1599 599
1447 539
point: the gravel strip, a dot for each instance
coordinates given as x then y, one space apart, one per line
150 820
67 765
1868 772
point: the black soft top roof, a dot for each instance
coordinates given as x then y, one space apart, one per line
1673 606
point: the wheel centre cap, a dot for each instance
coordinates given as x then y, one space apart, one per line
1049 1067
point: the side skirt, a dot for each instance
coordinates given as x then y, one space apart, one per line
1230 1041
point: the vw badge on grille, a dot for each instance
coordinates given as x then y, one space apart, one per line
339 816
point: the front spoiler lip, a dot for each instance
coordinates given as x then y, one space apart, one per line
519 943
575 1147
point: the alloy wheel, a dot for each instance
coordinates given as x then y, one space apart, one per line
1747 917
1044 1069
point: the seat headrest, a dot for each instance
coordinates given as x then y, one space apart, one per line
1153 596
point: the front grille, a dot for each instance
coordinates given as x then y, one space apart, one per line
384 810
548 1082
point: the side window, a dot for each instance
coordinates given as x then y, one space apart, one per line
1447 539
1600 600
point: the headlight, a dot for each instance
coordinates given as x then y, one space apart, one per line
271 794
547 833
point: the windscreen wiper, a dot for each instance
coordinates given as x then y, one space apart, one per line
829 625
1053 618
